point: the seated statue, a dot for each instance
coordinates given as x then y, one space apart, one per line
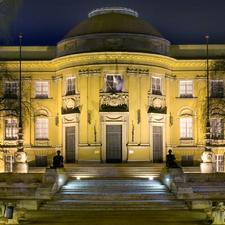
58 161
171 160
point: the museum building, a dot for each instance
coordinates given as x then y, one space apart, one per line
113 90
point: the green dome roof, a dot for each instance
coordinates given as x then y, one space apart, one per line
113 20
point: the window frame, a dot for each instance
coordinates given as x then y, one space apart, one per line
41 95
219 158
39 129
12 130
186 94
113 90
217 132
71 92
11 95
215 92
185 129
156 91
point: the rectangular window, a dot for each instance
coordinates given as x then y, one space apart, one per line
217 128
70 86
186 128
114 83
41 128
186 89
219 163
187 160
217 89
11 89
11 129
41 89
156 86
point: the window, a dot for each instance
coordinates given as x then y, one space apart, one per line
70 86
41 88
219 163
186 89
217 89
11 129
217 128
156 86
114 83
11 89
187 160
41 128
186 128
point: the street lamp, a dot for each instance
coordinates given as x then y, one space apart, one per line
20 164
207 136
208 162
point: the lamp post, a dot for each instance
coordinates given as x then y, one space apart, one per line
207 136
20 164
208 157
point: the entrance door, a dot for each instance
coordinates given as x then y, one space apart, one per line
157 144
114 143
70 144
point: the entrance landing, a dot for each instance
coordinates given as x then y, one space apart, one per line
123 170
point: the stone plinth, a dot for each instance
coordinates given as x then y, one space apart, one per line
208 167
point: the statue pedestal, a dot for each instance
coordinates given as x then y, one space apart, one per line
20 164
208 167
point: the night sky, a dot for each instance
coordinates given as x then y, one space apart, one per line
46 22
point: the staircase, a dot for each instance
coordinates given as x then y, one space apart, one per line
113 187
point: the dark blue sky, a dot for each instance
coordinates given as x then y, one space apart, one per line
45 22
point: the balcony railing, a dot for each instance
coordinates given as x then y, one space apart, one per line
114 102
71 104
157 103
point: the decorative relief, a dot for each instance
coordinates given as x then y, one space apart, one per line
41 143
71 104
71 118
136 71
114 116
157 104
10 142
117 102
87 71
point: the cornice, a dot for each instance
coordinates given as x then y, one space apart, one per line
104 58
129 58
29 66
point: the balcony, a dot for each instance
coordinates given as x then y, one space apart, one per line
114 102
71 104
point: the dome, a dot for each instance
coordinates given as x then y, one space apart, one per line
113 20
113 29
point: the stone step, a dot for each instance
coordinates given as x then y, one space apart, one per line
115 197
112 205
114 170
114 194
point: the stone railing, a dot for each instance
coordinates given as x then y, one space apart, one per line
114 101
70 104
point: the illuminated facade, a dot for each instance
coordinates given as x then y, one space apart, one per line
113 90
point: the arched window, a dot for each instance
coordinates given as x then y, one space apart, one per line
186 128
217 128
41 128
186 123
41 125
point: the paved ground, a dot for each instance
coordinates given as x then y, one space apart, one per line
115 218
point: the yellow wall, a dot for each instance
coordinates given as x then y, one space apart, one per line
138 86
